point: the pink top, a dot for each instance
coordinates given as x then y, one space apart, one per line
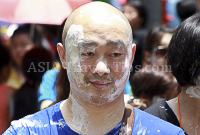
4 108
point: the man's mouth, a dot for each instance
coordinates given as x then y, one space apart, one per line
100 85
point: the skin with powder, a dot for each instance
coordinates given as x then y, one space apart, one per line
97 54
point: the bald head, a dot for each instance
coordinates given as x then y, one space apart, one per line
98 15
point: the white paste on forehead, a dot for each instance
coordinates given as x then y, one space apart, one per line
74 35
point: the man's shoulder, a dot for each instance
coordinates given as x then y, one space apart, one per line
163 111
149 124
157 108
42 121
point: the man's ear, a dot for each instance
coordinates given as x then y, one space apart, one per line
62 55
133 51
133 46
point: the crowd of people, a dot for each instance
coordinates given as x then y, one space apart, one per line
103 72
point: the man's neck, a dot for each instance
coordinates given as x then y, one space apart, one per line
85 118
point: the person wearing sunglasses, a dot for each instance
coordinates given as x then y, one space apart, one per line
156 46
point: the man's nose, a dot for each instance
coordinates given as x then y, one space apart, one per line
101 68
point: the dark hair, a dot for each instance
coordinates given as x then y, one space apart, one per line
184 51
4 56
62 86
36 62
141 8
26 29
151 83
154 36
186 8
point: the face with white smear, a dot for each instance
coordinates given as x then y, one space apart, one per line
99 56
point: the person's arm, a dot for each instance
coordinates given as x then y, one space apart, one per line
9 96
47 89
45 103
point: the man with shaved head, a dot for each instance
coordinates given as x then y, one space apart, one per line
97 52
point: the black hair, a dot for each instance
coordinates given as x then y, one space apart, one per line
36 62
4 56
26 29
141 8
154 36
151 83
186 8
184 51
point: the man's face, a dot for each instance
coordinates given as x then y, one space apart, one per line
98 61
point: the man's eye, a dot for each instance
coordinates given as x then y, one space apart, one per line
88 54
115 54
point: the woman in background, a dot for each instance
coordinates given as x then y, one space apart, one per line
184 60
21 42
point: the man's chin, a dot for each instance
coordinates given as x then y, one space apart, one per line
98 101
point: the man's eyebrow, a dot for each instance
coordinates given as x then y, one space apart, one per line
108 43
87 43
115 42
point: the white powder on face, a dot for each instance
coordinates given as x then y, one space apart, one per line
101 65
194 92
120 83
74 36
